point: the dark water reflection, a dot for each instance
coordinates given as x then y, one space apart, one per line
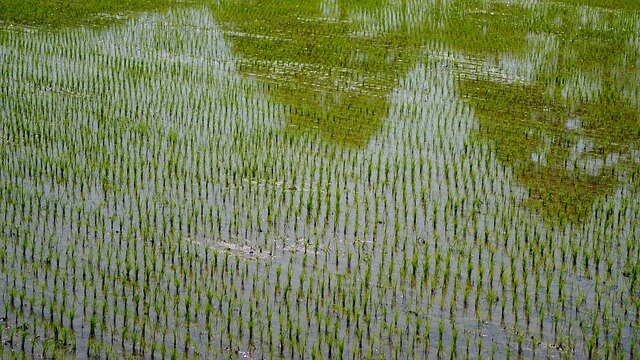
553 86
329 74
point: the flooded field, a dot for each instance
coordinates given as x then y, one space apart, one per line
324 179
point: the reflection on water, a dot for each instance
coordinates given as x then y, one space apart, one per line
554 87
150 181
327 62
569 122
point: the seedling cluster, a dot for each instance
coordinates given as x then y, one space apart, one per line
374 180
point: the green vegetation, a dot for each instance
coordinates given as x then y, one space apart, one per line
605 4
73 12
322 179
573 100
329 79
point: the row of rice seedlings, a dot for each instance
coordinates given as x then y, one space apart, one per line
573 120
385 250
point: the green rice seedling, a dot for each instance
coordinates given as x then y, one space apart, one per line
132 195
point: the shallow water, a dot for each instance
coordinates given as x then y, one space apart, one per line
380 183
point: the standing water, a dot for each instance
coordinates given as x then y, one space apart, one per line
378 179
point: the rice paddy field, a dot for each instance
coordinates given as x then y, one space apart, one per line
370 179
